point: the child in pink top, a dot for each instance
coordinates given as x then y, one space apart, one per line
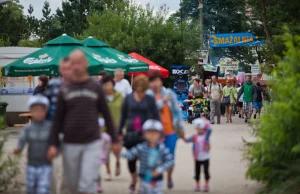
106 142
201 147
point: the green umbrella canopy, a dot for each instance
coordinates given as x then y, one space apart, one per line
45 61
117 58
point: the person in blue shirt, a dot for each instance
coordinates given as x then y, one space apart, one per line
155 158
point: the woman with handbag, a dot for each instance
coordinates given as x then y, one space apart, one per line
136 109
229 98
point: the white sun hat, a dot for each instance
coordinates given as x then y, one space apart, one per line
38 100
152 124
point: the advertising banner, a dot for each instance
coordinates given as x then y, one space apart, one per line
234 39
241 77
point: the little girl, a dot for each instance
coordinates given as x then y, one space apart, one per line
201 153
106 142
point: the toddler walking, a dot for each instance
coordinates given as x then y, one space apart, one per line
105 144
37 135
201 147
154 158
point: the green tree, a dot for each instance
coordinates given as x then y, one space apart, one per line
12 22
270 16
73 14
220 16
132 28
274 157
32 22
29 43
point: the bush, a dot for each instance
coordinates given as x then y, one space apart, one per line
275 157
8 165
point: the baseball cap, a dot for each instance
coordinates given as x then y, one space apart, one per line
38 99
152 124
101 122
199 123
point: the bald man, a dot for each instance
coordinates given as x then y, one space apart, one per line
78 107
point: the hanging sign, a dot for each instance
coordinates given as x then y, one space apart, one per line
234 39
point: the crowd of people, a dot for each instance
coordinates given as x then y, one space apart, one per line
83 121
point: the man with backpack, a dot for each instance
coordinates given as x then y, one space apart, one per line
215 95
248 89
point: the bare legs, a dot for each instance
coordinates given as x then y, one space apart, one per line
228 110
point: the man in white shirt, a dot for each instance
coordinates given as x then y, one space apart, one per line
122 85
215 95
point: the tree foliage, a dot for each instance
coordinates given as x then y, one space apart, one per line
132 28
13 22
220 16
270 16
275 157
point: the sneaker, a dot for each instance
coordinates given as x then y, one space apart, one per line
254 116
213 122
206 188
99 189
170 184
246 120
240 116
197 188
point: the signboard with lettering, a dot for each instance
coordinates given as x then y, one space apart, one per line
255 69
234 39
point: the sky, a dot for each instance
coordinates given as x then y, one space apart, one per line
173 5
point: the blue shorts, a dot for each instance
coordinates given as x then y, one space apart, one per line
257 105
170 143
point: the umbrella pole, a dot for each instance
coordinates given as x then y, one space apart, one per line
131 80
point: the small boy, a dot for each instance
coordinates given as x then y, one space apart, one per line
36 135
201 147
154 158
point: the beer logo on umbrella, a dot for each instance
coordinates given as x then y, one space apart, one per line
103 60
127 59
44 58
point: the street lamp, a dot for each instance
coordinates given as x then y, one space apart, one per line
4 1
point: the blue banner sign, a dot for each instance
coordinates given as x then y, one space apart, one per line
234 39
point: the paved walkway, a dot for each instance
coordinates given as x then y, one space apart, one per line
227 165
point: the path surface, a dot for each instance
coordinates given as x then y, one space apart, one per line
227 165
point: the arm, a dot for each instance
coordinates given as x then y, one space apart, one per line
235 95
177 111
124 112
262 95
104 110
133 153
58 120
153 108
22 141
167 161
241 92
209 91
188 140
129 89
203 89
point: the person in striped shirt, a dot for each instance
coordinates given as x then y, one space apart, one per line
155 158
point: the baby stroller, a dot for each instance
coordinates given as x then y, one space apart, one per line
197 109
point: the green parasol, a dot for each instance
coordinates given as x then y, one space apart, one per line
102 52
45 61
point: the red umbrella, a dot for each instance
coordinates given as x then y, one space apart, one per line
152 66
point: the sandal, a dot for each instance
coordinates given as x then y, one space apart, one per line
230 120
132 188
